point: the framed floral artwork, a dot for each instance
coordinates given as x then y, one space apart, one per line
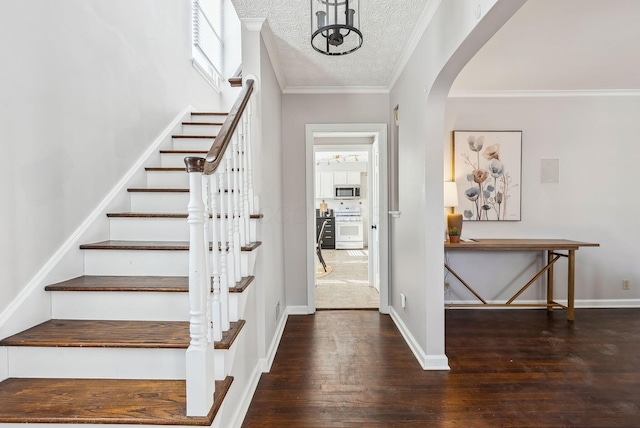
487 168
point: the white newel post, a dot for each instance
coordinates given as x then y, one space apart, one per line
200 378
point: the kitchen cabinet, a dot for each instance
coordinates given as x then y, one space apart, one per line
346 177
324 184
328 236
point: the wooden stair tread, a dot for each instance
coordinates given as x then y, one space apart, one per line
135 283
211 137
165 169
102 401
157 190
114 334
204 123
183 152
151 245
164 215
208 113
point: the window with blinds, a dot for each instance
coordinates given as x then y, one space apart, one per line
208 48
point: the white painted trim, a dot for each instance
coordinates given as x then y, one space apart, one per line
546 93
427 15
607 303
324 90
263 366
267 360
242 405
379 131
299 310
276 64
427 362
4 363
73 240
579 303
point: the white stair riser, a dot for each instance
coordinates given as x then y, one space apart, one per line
168 179
237 303
149 263
159 202
148 229
105 363
203 129
208 117
192 143
121 305
176 160
161 229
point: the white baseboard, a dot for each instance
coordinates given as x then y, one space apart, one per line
242 406
427 362
263 366
579 303
298 310
267 361
607 303
23 302
4 363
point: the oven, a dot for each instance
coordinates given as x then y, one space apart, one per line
349 234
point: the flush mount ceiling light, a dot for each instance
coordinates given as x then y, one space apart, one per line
334 26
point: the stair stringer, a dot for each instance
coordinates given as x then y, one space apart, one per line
32 305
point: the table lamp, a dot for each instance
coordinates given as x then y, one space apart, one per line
454 220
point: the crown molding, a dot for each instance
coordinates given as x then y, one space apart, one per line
546 93
423 22
322 90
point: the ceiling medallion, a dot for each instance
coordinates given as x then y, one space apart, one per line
334 26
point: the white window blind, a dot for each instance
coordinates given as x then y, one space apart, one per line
208 47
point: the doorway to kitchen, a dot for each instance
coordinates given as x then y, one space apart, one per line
347 260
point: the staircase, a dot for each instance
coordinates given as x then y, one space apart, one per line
114 351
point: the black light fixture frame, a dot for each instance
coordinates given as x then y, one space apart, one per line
344 24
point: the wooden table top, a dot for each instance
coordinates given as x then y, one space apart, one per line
518 244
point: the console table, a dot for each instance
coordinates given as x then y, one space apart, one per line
555 249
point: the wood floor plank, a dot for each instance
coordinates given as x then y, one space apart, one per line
101 401
508 368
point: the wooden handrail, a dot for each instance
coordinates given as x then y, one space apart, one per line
216 153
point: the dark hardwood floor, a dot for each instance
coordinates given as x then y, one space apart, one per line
509 368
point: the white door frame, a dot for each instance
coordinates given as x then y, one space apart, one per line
379 132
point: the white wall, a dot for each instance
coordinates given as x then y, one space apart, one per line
86 87
453 36
594 140
297 111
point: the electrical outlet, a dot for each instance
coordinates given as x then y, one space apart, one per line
277 312
403 300
625 284
447 286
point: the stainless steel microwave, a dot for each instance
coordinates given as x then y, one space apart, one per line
346 192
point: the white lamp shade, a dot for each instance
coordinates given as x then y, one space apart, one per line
450 194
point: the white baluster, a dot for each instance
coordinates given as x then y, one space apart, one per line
199 355
206 198
224 255
248 136
241 187
216 318
245 181
231 253
237 245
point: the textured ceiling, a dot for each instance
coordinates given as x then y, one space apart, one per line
386 29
